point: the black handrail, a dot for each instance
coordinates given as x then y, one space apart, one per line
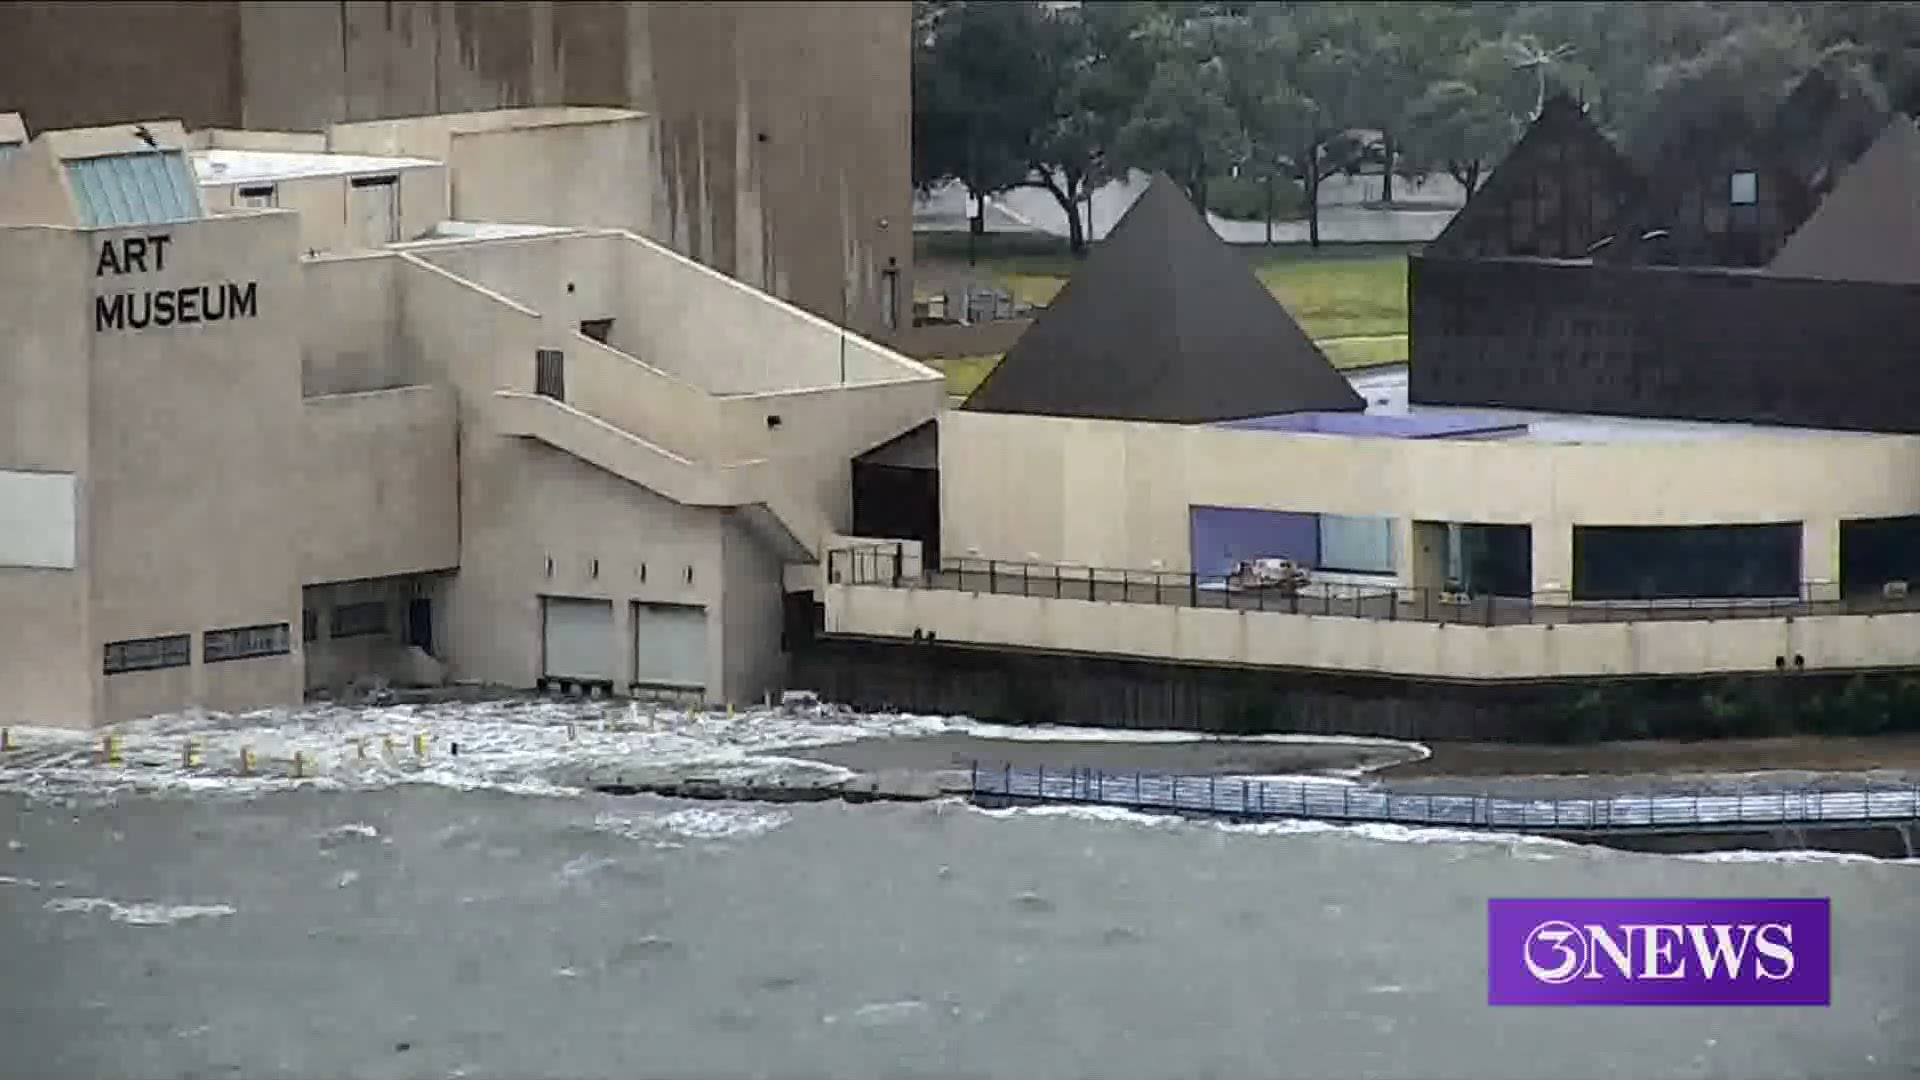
886 565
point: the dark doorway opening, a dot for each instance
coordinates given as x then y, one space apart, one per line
896 492
597 329
420 623
1494 560
1875 552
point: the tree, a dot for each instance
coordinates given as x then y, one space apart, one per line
1185 125
1293 84
979 94
1460 129
1096 68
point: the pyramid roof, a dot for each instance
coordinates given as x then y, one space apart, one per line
1868 228
1164 322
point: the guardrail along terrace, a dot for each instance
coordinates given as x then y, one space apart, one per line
891 567
1241 797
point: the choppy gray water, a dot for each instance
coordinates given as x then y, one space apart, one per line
426 932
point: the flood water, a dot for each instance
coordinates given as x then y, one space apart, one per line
425 931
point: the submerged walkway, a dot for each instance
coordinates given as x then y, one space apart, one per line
1305 799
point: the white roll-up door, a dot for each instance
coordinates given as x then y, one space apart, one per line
373 207
579 639
670 645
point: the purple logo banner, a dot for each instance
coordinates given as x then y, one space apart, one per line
1706 951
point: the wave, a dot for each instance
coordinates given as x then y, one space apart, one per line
139 914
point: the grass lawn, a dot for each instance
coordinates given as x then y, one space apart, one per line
1344 291
966 372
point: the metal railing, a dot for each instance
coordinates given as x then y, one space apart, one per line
889 565
1243 797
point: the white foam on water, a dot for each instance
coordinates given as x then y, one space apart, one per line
695 823
142 913
1794 856
22 882
1382 832
530 747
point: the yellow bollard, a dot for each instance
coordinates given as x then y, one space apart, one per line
729 710
299 764
386 746
420 746
110 748
6 738
189 754
359 749
246 761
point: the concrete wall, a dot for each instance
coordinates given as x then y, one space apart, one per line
193 514
326 221
783 130
1318 643
33 189
379 490
552 166
1107 494
49 664
752 662
350 337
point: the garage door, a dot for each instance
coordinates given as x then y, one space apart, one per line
670 645
579 638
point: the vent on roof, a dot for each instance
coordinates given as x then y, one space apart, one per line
144 188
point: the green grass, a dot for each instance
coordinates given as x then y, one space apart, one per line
1345 291
964 373
1365 352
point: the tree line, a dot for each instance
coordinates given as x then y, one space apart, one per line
1268 100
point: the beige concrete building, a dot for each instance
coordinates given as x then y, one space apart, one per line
779 152
255 442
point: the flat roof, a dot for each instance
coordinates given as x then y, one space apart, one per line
486 230
1385 391
219 167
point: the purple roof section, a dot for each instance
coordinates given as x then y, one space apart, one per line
1387 426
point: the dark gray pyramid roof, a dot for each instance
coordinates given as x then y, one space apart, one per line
1164 322
1868 229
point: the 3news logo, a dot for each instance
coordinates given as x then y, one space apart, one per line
1659 951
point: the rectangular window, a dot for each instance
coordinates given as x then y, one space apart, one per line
1649 562
149 654
261 195
1744 189
309 625
360 620
550 373
1356 545
146 188
597 329
242 642
37 520
890 298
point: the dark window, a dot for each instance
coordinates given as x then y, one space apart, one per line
1613 562
597 329
360 620
149 654
241 642
309 625
375 181
550 373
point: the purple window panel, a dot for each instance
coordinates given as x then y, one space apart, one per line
1221 536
